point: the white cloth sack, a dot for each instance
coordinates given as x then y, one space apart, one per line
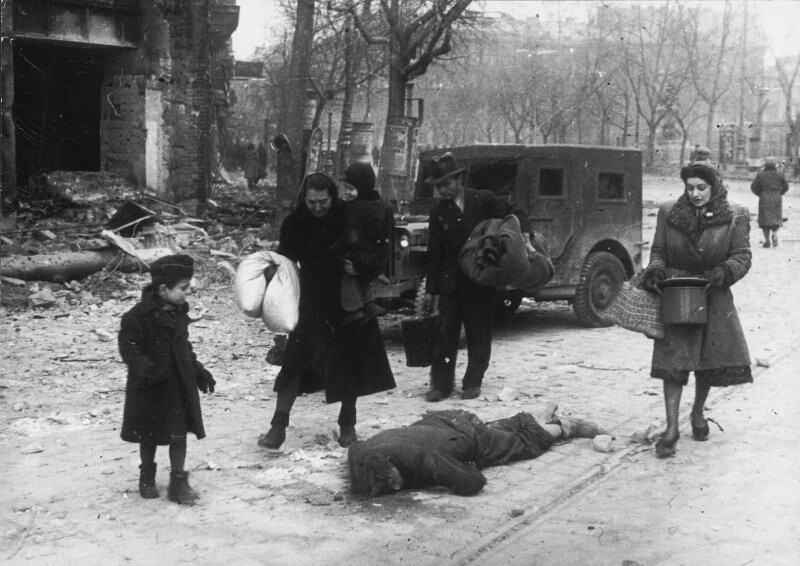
275 300
281 305
251 284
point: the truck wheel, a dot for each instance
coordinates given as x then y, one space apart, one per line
419 298
602 277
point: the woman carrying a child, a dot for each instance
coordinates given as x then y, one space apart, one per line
345 361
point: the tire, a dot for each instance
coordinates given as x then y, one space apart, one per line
602 276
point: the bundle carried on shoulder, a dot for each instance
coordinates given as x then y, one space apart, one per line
496 255
268 287
637 310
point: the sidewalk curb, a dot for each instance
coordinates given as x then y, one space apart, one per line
595 473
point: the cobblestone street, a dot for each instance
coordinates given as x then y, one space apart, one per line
69 488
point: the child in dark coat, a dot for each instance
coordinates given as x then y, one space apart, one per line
161 399
365 244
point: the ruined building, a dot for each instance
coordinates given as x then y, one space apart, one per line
131 87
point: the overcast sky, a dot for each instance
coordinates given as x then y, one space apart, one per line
261 24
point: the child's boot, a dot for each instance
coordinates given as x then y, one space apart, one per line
179 490
147 481
277 432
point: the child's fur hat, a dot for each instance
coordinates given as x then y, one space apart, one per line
173 267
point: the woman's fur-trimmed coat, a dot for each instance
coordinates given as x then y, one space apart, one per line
685 245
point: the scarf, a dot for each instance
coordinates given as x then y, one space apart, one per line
692 221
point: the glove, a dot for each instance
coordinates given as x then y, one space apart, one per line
718 276
205 381
652 278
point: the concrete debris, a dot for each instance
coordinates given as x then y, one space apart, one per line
43 298
103 335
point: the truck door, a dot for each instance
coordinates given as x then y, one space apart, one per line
553 203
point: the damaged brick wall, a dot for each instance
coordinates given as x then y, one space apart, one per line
170 93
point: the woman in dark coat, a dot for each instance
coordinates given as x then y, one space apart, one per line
770 186
700 235
346 361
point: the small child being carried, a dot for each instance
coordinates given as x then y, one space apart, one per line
366 243
161 399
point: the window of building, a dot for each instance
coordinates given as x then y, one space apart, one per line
611 186
551 182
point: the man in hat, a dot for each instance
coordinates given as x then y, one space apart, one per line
700 153
448 291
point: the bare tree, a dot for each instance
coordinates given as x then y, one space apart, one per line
711 60
416 34
654 64
788 71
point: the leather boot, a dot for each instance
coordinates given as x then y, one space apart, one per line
179 490
147 481
578 428
347 435
277 432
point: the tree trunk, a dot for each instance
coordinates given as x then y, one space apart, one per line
345 130
299 67
8 169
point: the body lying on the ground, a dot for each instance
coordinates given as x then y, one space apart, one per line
449 448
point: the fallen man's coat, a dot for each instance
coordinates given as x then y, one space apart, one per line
447 448
496 255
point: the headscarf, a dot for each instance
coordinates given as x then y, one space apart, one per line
692 220
362 177
318 182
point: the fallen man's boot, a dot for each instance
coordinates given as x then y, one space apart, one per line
577 428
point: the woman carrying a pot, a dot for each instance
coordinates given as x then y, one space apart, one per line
700 235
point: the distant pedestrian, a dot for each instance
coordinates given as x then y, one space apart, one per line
700 235
161 399
770 185
251 166
700 153
261 151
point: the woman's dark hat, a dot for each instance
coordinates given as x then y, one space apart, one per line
704 170
178 266
443 167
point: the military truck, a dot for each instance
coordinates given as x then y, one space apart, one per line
585 200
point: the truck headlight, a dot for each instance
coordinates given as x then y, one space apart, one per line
402 241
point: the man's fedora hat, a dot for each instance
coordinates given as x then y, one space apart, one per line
443 167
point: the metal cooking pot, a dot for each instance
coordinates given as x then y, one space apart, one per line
684 300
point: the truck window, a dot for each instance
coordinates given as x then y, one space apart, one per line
551 182
498 177
611 186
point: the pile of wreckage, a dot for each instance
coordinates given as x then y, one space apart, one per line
75 224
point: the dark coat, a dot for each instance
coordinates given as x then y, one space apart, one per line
449 448
723 240
448 230
163 372
367 237
325 355
770 186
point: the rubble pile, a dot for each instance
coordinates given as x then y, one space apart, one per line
57 258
